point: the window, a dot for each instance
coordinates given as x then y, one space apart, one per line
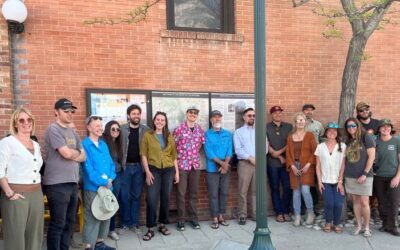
201 15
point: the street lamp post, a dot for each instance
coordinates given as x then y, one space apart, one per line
262 238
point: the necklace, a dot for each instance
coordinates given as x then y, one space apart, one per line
26 142
299 136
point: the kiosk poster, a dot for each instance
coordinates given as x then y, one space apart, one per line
175 104
232 107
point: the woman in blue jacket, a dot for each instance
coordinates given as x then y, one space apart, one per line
98 170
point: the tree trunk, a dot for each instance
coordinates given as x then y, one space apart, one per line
350 77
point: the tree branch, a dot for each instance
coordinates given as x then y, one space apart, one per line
376 18
357 24
299 3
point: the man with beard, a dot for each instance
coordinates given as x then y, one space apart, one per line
133 176
218 149
189 138
277 133
371 126
364 116
245 149
64 152
313 126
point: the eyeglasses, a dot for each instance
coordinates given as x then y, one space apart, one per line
71 111
250 116
115 129
93 118
193 112
22 120
351 125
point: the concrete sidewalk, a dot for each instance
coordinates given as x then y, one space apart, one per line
235 237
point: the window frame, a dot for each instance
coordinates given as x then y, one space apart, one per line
227 18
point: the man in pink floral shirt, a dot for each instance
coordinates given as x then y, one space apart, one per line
189 138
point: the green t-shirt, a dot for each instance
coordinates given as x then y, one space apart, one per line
387 156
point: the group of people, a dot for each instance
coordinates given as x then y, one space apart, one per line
115 163
364 162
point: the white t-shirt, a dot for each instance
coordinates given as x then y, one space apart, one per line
330 163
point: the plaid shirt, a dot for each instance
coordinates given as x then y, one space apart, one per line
188 145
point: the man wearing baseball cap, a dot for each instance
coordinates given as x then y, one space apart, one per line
277 133
313 125
364 116
189 138
218 148
64 152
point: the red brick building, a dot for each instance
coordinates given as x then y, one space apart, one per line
60 56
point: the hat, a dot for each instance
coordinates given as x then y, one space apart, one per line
333 125
361 105
64 103
104 205
215 112
308 106
385 122
274 109
193 107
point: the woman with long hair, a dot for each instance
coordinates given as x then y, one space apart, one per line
112 137
22 198
159 159
330 164
360 155
300 162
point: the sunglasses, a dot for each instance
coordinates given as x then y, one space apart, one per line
93 118
363 110
351 126
250 116
22 120
115 129
193 112
71 111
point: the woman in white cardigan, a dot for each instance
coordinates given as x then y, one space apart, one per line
21 197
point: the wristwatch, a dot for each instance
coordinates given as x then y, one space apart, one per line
364 173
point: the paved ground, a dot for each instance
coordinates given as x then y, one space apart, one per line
284 236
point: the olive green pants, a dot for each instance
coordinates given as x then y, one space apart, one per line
23 221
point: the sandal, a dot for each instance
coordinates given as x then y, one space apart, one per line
280 218
327 228
164 230
215 225
148 235
367 233
338 229
287 217
223 223
357 231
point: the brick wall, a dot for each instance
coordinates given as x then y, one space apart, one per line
5 87
63 57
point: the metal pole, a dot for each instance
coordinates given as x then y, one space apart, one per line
262 238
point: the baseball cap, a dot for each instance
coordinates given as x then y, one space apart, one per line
215 112
192 107
64 103
361 105
308 106
274 109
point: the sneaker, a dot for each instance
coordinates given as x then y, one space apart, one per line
113 235
136 229
297 221
180 226
242 221
195 224
310 218
122 230
102 246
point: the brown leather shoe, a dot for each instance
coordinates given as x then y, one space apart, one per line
287 217
280 218
393 231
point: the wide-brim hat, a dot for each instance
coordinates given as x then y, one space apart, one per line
105 204
384 122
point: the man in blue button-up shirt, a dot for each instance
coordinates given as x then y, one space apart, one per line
218 148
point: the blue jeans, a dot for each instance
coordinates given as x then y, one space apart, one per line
63 201
160 190
305 191
133 178
118 185
333 203
218 189
280 200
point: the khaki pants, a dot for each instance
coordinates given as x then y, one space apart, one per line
23 221
247 180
